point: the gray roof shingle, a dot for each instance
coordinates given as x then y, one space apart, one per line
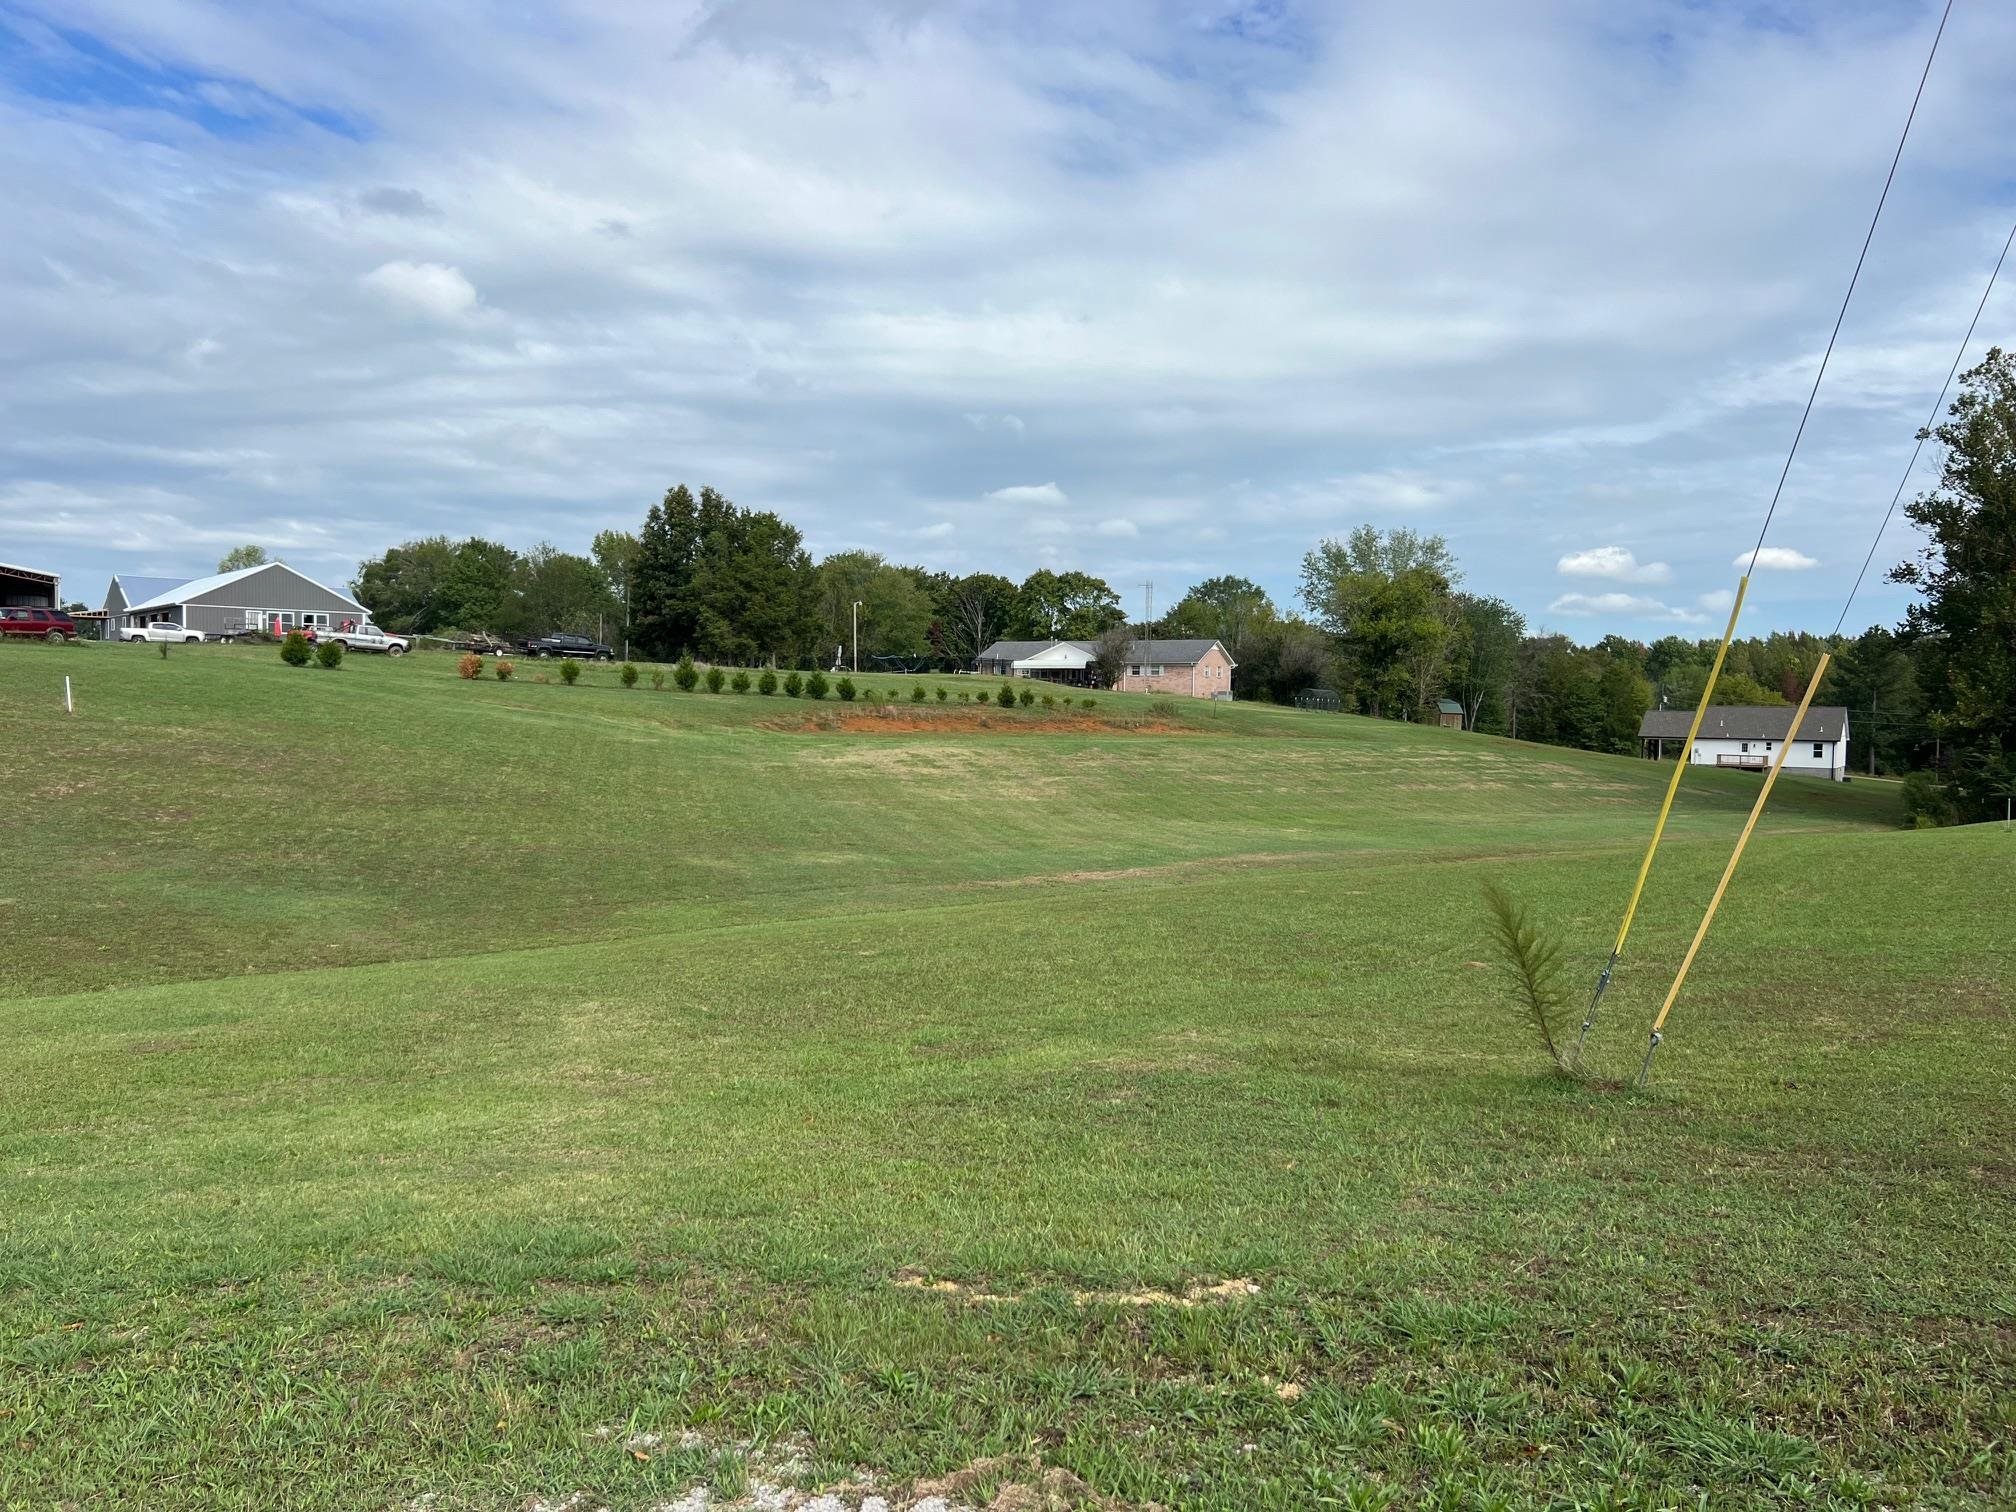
1745 722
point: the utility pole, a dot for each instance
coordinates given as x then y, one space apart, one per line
857 635
1872 732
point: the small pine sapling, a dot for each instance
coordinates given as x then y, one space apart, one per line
629 674
845 689
793 685
570 671
766 684
716 678
1532 961
739 682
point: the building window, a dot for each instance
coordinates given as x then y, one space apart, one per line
1819 749
318 620
1746 748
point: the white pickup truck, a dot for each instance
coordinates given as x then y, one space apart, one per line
161 630
368 637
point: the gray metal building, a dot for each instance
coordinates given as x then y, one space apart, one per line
269 597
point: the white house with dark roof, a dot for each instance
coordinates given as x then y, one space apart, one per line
1188 668
271 597
1749 735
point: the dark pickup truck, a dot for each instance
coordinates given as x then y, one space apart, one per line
569 645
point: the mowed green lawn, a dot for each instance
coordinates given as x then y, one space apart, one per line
422 1087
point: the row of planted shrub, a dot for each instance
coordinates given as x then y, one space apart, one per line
687 677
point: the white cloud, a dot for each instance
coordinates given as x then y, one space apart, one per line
1620 605
1617 563
1117 530
1779 558
435 290
787 249
1400 488
1042 495
1717 599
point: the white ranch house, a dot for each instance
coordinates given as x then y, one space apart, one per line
1747 736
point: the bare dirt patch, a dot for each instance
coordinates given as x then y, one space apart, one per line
972 721
1234 1289
1169 869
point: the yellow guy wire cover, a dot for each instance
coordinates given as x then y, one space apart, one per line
1680 766
1756 809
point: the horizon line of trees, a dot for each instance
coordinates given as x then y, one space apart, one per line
1388 626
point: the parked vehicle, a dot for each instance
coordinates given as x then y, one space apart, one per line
570 645
40 624
159 631
483 643
368 637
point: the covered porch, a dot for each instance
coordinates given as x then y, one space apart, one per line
1062 663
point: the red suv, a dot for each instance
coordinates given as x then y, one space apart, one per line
43 624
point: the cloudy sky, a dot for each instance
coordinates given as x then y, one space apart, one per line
1160 290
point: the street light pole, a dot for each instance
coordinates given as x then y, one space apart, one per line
857 635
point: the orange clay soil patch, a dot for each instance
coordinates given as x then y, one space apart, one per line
973 721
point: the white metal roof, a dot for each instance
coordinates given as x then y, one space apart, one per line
1063 654
203 586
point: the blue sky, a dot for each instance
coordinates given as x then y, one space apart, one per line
1160 290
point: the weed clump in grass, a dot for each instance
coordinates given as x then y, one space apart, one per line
658 679
1049 701
793 685
1532 959
1028 697
570 671
629 674
941 695
329 655
1088 703
815 685
739 682
294 650
766 684
503 669
845 688
685 674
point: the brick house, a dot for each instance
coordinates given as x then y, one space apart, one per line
1187 668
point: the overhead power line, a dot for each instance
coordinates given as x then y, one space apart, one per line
1926 430
1855 277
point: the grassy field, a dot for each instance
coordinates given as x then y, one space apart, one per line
497 1092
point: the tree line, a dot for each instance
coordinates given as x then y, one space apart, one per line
1383 618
